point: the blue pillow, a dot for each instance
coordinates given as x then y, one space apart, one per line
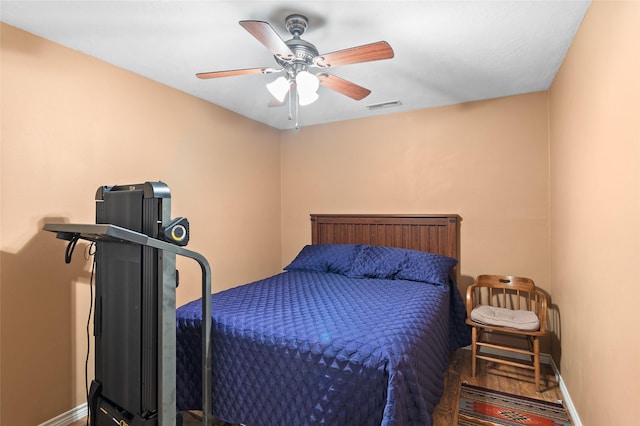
336 258
426 267
377 262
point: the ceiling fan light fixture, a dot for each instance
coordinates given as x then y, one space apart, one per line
307 99
279 88
307 85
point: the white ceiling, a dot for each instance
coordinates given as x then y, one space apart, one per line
446 52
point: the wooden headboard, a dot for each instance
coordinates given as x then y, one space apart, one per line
432 233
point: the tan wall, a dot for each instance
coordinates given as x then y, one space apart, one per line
70 124
486 161
595 207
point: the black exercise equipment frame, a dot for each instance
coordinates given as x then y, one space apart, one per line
166 388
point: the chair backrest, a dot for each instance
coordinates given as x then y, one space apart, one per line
511 292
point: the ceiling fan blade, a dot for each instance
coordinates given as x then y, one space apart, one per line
343 86
268 37
230 73
365 53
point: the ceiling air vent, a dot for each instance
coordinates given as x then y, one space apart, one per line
389 104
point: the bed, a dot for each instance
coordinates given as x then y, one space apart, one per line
357 330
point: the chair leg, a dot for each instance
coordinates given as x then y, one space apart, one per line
536 362
474 349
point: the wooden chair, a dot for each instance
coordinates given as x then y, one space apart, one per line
506 305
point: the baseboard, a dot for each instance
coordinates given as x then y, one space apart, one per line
565 393
65 419
545 359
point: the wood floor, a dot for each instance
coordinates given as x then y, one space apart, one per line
493 376
499 377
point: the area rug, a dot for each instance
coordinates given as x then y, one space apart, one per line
480 406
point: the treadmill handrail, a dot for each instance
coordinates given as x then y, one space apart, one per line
108 232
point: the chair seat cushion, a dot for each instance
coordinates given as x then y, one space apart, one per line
502 317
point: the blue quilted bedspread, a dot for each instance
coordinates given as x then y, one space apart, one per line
322 348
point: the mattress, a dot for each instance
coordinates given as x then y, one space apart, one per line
338 347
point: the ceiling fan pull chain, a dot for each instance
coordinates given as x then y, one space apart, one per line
297 108
290 116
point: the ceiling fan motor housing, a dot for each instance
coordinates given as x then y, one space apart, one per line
303 51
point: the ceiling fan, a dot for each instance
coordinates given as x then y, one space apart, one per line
303 68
